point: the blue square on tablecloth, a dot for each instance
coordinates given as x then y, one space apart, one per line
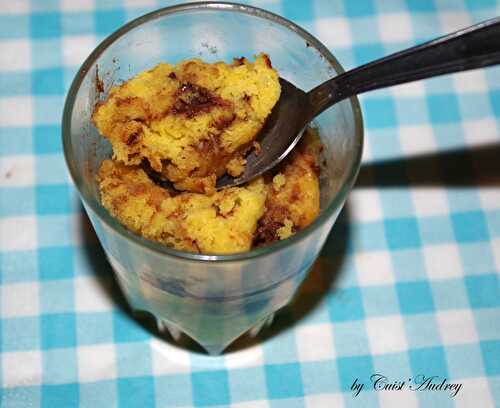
19 333
477 258
97 394
402 233
493 221
369 236
346 304
491 356
495 101
55 262
350 338
15 83
320 377
284 380
284 349
44 25
371 299
487 323
78 23
352 368
58 330
136 392
359 8
478 4
133 359
469 226
51 170
379 112
126 329
443 108
24 203
30 396
298 10
429 361
393 365
46 55
408 265
15 140
449 294
210 388
173 390
464 361
14 26
241 389
47 109
18 266
107 21
53 199
422 330
421 5
415 297
57 296
94 328
367 53
59 365
63 395
47 139
47 81
483 290
436 229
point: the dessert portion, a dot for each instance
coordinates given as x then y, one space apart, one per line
190 122
230 220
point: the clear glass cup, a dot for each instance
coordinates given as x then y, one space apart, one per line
211 298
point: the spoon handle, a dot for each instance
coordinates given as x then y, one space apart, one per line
473 47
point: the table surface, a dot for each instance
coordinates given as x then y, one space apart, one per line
407 285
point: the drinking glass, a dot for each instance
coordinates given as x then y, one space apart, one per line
211 298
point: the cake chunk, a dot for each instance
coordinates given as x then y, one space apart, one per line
190 122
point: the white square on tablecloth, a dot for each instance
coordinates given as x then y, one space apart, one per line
442 261
325 400
168 359
470 81
429 201
15 6
334 31
416 89
251 404
17 171
21 368
489 197
80 5
314 342
480 131
16 54
451 21
386 333
397 399
96 362
495 245
76 48
475 392
364 204
16 111
18 233
395 27
19 299
90 296
456 327
415 139
374 268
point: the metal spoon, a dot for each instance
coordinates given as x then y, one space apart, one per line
473 47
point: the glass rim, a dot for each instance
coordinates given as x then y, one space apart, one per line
114 224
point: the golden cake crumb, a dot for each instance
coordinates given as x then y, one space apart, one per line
189 120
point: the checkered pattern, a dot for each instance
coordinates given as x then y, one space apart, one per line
407 284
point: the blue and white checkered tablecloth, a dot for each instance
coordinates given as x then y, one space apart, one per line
407 285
